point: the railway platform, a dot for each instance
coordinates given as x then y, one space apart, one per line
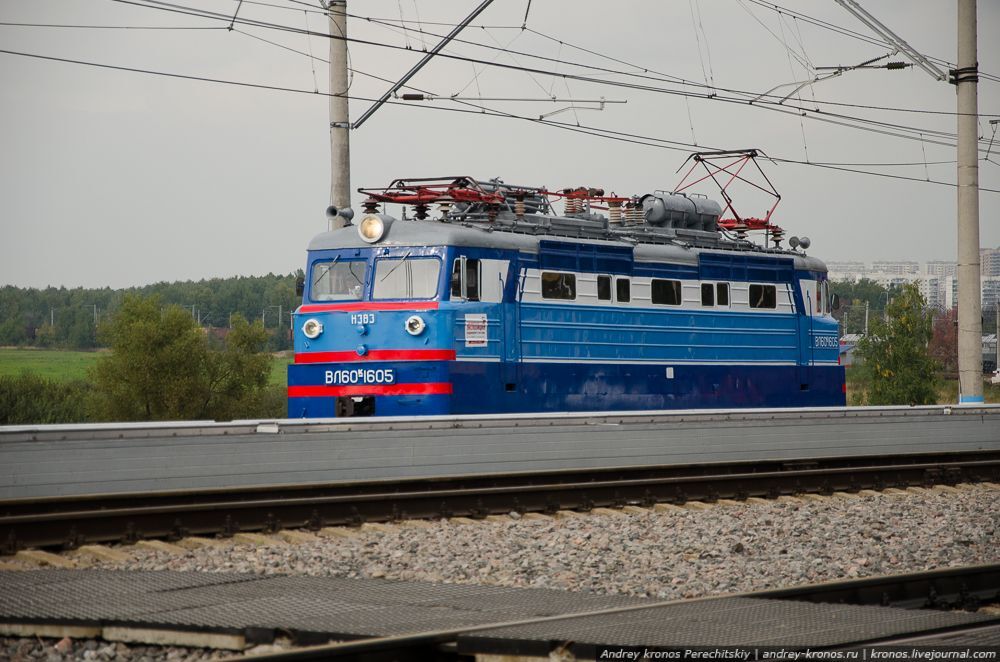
236 611
99 459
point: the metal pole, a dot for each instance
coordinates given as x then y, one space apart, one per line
424 60
970 323
866 318
340 122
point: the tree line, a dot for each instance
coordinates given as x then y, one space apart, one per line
69 318
161 366
865 299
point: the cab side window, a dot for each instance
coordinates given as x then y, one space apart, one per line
623 290
763 296
604 288
722 294
471 279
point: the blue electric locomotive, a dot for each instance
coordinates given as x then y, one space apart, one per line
500 305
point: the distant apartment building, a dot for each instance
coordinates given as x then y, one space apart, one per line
897 268
991 292
932 289
949 291
989 262
936 279
940 268
851 270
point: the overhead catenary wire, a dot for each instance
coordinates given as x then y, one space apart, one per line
112 27
595 131
852 33
820 115
324 35
174 7
352 69
178 8
192 11
806 68
832 27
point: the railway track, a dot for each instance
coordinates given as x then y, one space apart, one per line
964 588
68 522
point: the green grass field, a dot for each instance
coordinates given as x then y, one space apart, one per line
51 364
279 372
66 365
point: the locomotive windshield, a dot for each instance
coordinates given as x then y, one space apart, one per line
338 280
406 278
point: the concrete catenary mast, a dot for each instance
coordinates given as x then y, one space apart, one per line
970 322
340 123
965 77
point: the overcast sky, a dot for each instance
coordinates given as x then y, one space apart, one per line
114 178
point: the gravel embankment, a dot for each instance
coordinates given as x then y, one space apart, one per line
668 555
663 555
52 650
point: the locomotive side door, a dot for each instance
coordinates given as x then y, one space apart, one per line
807 296
495 290
510 320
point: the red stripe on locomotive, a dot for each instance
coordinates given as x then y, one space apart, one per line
377 355
427 388
368 305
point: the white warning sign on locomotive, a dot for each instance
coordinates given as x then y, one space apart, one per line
475 330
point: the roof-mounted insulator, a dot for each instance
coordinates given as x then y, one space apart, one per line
777 234
445 208
615 211
519 204
634 213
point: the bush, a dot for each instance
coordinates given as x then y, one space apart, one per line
162 367
29 399
896 364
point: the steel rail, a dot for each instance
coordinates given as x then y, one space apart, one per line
945 588
67 522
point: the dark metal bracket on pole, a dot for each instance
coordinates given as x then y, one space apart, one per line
419 65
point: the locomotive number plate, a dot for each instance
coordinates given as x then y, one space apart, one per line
826 342
362 318
360 376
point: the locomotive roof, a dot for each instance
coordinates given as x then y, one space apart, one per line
437 233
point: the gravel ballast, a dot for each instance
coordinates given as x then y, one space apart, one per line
57 650
676 554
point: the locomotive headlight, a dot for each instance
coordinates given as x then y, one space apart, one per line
372 228
415 325
312 328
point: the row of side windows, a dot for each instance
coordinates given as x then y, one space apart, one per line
562 286
623 289
715 294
